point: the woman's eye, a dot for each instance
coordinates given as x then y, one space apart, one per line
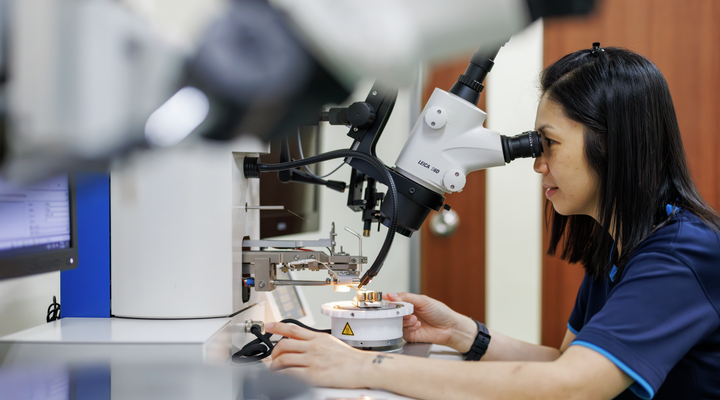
549 142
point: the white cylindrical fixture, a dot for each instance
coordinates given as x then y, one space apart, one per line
371 327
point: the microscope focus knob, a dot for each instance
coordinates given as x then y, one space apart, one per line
436 117
454 180
361 114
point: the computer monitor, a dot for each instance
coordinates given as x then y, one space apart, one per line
301 200
38 227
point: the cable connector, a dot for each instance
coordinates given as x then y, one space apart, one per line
262 347
250 324
250 167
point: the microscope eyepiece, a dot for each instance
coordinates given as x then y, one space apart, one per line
526 144
469 85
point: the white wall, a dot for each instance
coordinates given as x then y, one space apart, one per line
24 301
514 207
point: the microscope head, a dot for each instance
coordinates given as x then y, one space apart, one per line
448 142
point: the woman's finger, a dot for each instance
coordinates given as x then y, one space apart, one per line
289 360
417 300
288 345
413 328
409 320
289 330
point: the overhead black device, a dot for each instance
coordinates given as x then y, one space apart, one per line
38 227
258 76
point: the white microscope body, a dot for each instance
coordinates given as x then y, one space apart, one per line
447 143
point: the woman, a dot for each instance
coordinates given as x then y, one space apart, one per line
646 323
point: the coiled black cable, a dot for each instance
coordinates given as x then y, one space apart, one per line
251 170
53 311
262 347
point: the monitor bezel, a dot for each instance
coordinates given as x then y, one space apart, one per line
49 261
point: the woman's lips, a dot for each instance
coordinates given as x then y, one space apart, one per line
550 191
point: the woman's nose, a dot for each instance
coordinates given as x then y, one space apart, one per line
540 166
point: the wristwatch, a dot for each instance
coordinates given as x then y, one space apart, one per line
480 345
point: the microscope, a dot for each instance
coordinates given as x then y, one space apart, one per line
447 142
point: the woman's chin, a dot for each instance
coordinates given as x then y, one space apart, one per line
560 210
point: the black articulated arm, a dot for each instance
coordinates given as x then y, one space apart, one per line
366 203
367 120
559 8
415 201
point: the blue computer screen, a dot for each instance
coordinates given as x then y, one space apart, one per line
35 218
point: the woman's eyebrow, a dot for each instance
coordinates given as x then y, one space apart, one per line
542 128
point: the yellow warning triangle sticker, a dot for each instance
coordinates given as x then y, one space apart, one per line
347 330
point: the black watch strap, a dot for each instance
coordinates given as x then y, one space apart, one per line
480 345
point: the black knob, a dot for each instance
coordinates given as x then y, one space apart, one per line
361 114
471 83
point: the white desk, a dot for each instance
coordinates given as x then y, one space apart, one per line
143 342
127 340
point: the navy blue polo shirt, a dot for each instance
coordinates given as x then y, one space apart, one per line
659 321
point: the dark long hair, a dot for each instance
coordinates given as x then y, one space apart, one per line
632 146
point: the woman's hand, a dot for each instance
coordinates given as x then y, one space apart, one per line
318 358
434 322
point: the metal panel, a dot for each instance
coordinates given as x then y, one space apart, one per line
85 291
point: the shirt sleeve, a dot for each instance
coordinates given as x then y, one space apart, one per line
577 316
652 318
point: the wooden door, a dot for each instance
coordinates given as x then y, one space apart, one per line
453 268
681 38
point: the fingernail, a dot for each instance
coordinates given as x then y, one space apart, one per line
269 325
392 294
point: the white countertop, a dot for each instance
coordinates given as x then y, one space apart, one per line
110 331
120 330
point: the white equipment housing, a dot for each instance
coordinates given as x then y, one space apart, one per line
178 219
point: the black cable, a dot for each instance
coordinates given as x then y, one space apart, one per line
302 157
53 311
262 347
379 166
